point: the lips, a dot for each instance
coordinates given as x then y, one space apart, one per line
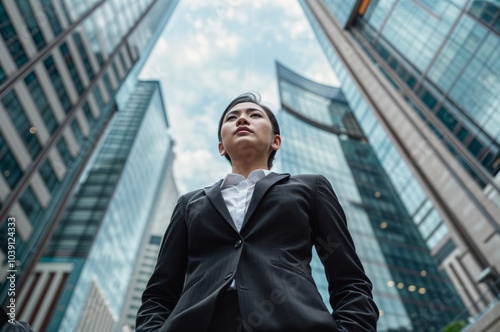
242 129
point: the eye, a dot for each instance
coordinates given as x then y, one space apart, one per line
230 117
258 115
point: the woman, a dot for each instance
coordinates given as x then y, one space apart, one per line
236 255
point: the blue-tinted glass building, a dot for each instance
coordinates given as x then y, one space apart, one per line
147 256
94 248
66 67
421 77
322 135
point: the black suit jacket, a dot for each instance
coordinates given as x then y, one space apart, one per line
202 252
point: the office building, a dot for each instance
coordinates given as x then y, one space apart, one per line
422 77
149 249
321 135
66 67
96 244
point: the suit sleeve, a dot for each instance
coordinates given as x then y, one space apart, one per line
349 288
165 285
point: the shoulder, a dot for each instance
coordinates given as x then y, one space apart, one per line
316 182
312 179
186 198
193 195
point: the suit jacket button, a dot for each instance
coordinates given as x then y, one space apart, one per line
229 275
238 244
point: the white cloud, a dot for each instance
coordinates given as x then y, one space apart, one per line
198 168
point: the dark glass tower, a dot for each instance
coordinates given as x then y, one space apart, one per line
91 256
422 79
322 135
66 67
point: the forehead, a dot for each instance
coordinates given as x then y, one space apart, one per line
245 106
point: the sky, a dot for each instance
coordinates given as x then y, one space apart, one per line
212 51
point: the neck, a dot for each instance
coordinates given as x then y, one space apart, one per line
245 169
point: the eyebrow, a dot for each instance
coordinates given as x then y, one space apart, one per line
244 109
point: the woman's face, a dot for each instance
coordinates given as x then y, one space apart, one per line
247 133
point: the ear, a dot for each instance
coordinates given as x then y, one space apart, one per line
275 145
222 151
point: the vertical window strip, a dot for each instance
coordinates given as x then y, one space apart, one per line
63 149
52 17
108 85
83 53
30 205
3 77
41 102
32 24
115 71
98 97
49 176
122 61
70 64
10 36
8 165
77 131
57 82
88 114
21 123
90 32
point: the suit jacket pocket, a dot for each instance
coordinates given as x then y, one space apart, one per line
190 284
292 270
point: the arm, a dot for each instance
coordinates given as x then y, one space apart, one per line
165 285
349 287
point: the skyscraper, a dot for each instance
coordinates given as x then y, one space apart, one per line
150 247
322 135
65 68
422 77
89 261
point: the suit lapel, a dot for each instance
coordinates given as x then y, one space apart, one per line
261 187
215 196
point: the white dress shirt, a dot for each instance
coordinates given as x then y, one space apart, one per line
237 193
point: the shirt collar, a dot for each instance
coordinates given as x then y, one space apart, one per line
233 179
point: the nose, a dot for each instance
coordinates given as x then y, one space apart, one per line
242 119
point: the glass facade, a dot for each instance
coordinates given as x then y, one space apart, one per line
2 75
21 122
70 64
9 167
54 21
165 201
447 56
111 205
41 102
418 205
438 56
59 88
323 135
57 81
33 28
11 38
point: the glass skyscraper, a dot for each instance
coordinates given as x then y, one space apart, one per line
96 243
322 135
150 247
422 79
66 67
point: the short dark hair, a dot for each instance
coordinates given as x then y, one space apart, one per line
251 97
